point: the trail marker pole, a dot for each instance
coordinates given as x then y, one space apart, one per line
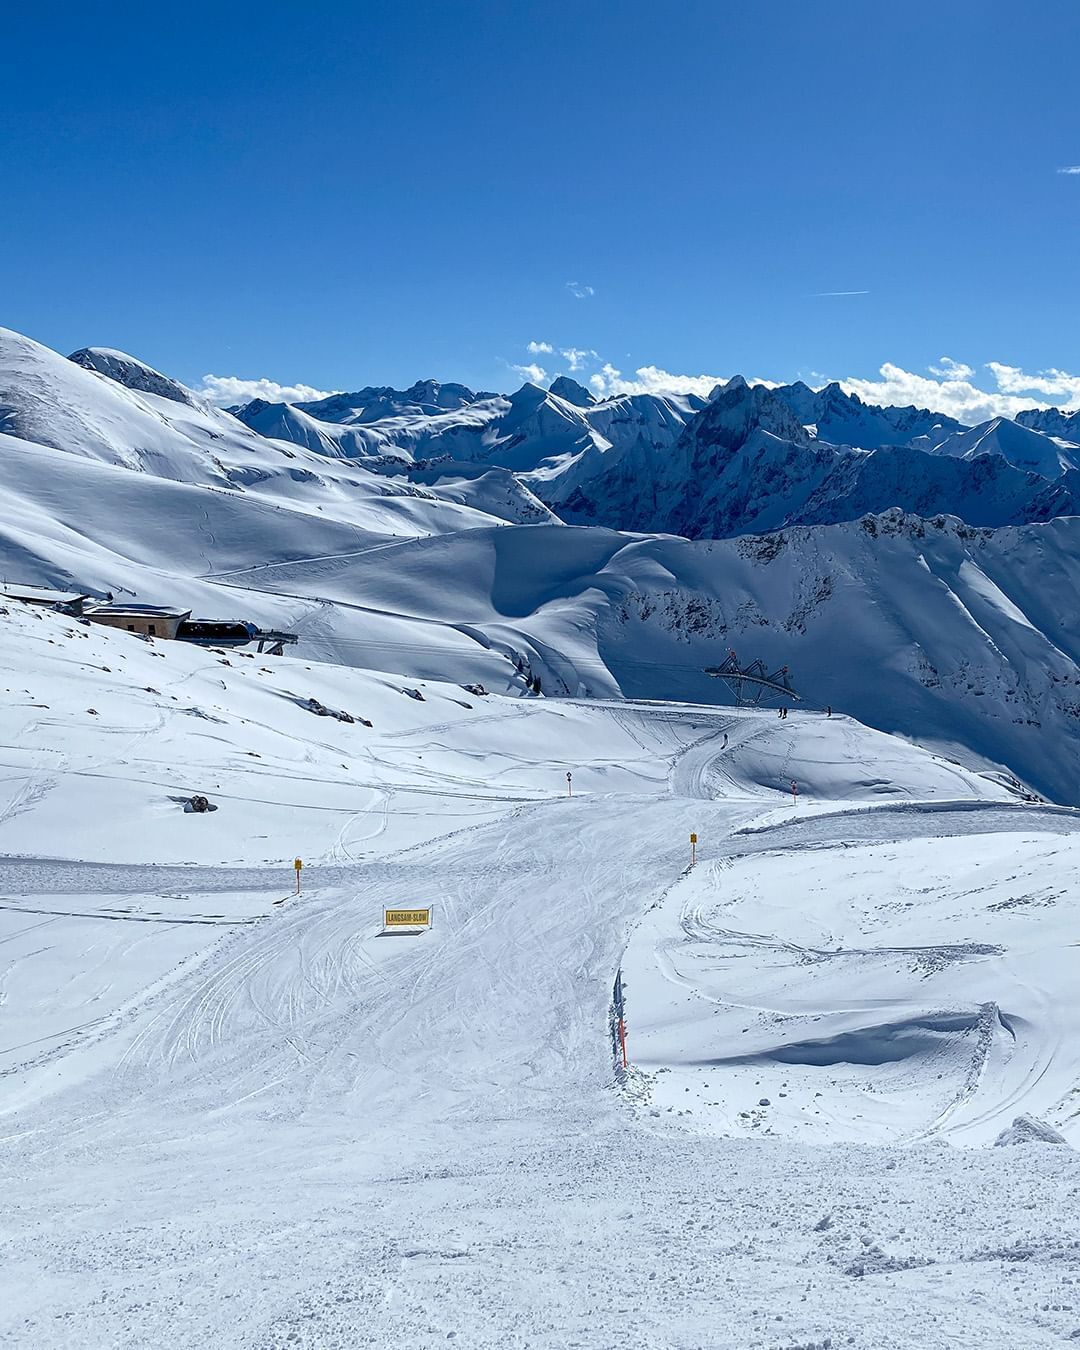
794 793
569 783
620 1016
693 849
298 864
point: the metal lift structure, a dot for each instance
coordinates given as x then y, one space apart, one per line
753 685
234 633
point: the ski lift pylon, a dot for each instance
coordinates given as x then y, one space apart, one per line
753 685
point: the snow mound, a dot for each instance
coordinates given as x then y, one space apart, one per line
1028 1130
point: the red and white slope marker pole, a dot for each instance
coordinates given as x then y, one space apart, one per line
620 1015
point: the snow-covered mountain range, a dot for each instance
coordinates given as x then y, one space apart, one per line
749 458
505 718
931 592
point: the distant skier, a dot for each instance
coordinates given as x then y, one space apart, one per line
794 792
724 746
828 710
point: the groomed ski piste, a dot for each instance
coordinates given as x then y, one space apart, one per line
232 1115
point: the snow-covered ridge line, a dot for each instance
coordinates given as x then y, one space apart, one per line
648 462
969 632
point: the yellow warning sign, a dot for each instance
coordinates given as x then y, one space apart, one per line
693 838
406 918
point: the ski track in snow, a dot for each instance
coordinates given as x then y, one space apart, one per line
233 1116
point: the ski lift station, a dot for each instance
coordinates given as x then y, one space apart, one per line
147 620
152 621
166 622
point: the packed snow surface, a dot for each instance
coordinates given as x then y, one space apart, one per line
234 1114
237 1116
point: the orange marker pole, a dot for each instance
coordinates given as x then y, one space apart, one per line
622 1043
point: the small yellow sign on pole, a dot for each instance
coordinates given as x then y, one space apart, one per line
693 849
298 864
406 918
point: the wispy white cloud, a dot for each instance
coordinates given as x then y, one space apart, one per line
823 295
533 373
227 390
1070 168
539 348
580 290
1055 384
948 369
578 357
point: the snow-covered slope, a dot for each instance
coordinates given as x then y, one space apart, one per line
238 1116
844 419
892 974
745 463
108 407
1027 449
971 634
555 439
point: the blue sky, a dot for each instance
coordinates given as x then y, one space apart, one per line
334 195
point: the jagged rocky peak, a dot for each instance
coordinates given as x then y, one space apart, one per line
439 395
569 390
736 382
133 374
738 409
1052 422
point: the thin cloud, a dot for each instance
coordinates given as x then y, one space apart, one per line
1070 168
580 290
533 373
948 369
228 390
823 295
578 357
